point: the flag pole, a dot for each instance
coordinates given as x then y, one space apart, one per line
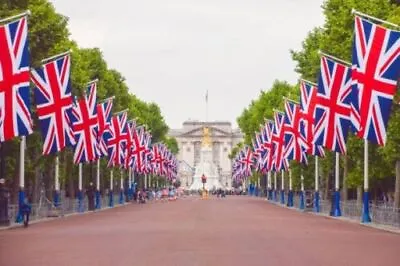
316 195
290 194
283 187
56 182
111 193
46 60
21 193
366 218
275 187
334 58
353 11
269 185
98 201
145 181
80 192
26 13
121 192
106 99
309 82
301 206
130 194
336 211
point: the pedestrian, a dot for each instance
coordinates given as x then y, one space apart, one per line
26 211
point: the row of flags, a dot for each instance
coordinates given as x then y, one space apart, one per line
83 123
356 96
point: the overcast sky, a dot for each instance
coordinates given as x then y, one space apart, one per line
173 51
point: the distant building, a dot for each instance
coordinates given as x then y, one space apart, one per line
189 138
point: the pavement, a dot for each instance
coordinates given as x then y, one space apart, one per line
236 230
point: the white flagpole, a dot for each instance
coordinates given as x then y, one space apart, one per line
366 218
26 13
111 193
336 210
301 206
98 201
121 193
21 193
145 181
316 195
283 188
275 187
290 194
56 182
80 193
130 183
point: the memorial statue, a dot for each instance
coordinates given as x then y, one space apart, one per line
206 142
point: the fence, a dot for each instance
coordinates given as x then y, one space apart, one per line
45 208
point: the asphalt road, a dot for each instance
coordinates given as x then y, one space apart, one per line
230 231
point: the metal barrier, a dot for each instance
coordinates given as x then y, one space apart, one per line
46 208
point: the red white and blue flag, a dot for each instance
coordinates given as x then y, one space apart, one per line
278 139
296 142
85 124
131 129
15 116
54 104
104 122
308 101
268 146
116 140
139 149
375 73
247 161
332 113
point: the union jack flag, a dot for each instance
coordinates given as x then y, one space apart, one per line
268 145
308 94
247 161
15 116
104 123
332 113
54 104
147 153
278 138
296 143
84 124
257 151
129 159
139 149
375 72
116 140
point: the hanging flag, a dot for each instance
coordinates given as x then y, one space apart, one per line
15 116
375 73
247 161
85 124
104 122
129 160
138 149
278 138
54 104
296 142
147 167
332 113
116 140
268 146
308 93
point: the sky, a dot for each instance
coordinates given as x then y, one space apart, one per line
172 51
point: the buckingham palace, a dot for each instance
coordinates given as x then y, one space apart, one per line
189 138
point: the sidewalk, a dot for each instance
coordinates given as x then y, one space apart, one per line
342 218
46 219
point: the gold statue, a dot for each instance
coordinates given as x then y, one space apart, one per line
206 142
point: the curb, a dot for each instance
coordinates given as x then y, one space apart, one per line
47 219
341 218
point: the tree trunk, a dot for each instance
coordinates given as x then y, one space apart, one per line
345 173
36 185
359 195
69 175
397 186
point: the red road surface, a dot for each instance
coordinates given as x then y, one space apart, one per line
190 232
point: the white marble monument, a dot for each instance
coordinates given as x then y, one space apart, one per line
206 167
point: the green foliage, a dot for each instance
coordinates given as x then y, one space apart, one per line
172 144
48 36
335 37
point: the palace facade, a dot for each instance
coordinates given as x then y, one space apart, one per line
189 137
